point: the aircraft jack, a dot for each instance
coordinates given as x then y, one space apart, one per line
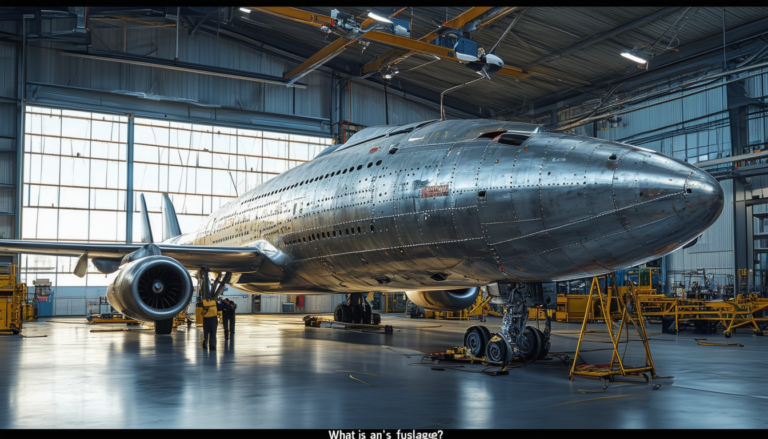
626 300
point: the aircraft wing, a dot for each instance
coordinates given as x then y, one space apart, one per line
231 259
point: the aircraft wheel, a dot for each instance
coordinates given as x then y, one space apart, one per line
727 334
475 341
486 334
376 319
164 326
367 314
342 313
544 346
357 313
529 344
497 350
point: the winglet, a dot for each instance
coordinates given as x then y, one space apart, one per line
171 227
147 234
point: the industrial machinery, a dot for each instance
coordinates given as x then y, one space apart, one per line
12 300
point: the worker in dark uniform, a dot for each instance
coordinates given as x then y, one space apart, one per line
229 318
210 323
226 317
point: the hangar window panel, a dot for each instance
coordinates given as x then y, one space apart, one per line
71 224
174 178
32 143
47 196
106 199
105 150
33 124
204 181
188 204
144 153
104 227
47 221
99 173
275 166
222 184
180 137
162 171
29 222
225 143
74 198
201 140
76 128
48 170
190 180
108 130
202 159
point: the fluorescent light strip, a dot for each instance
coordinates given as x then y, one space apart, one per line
634 58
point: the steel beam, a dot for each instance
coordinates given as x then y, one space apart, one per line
318 59
605 35
324 55
296 15
129 182
181 66
20 104
120 103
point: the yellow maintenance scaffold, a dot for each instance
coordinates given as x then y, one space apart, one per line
12 302
628 312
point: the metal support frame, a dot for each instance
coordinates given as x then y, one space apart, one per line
129 182
630 312
20 104
394 56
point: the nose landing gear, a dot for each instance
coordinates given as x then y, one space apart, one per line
515 339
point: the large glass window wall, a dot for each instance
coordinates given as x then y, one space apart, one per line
76 181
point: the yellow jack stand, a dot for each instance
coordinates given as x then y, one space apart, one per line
616 366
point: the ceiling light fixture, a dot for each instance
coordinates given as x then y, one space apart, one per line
632 54
379 18
246 10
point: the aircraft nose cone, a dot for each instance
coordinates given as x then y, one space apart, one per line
704 197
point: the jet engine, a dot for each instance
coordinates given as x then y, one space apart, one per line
444 300
152 288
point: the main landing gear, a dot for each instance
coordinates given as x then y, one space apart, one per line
515 339
356 310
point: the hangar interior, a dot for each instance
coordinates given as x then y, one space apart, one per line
101 105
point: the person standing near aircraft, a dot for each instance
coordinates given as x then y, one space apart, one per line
227 317
210 323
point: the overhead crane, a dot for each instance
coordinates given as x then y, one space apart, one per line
405 45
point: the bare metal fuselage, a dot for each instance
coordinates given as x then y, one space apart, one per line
457 204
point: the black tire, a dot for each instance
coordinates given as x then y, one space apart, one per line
486 333
727 334
338 313
375 319
497 351
164 326
529 344
343 313
544 346
367 314
357 313
475 341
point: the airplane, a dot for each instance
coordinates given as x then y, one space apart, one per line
438 209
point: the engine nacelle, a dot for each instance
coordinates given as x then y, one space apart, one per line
152 288
444 300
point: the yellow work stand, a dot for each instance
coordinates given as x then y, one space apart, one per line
616 365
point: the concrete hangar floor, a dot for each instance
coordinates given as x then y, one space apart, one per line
279 374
